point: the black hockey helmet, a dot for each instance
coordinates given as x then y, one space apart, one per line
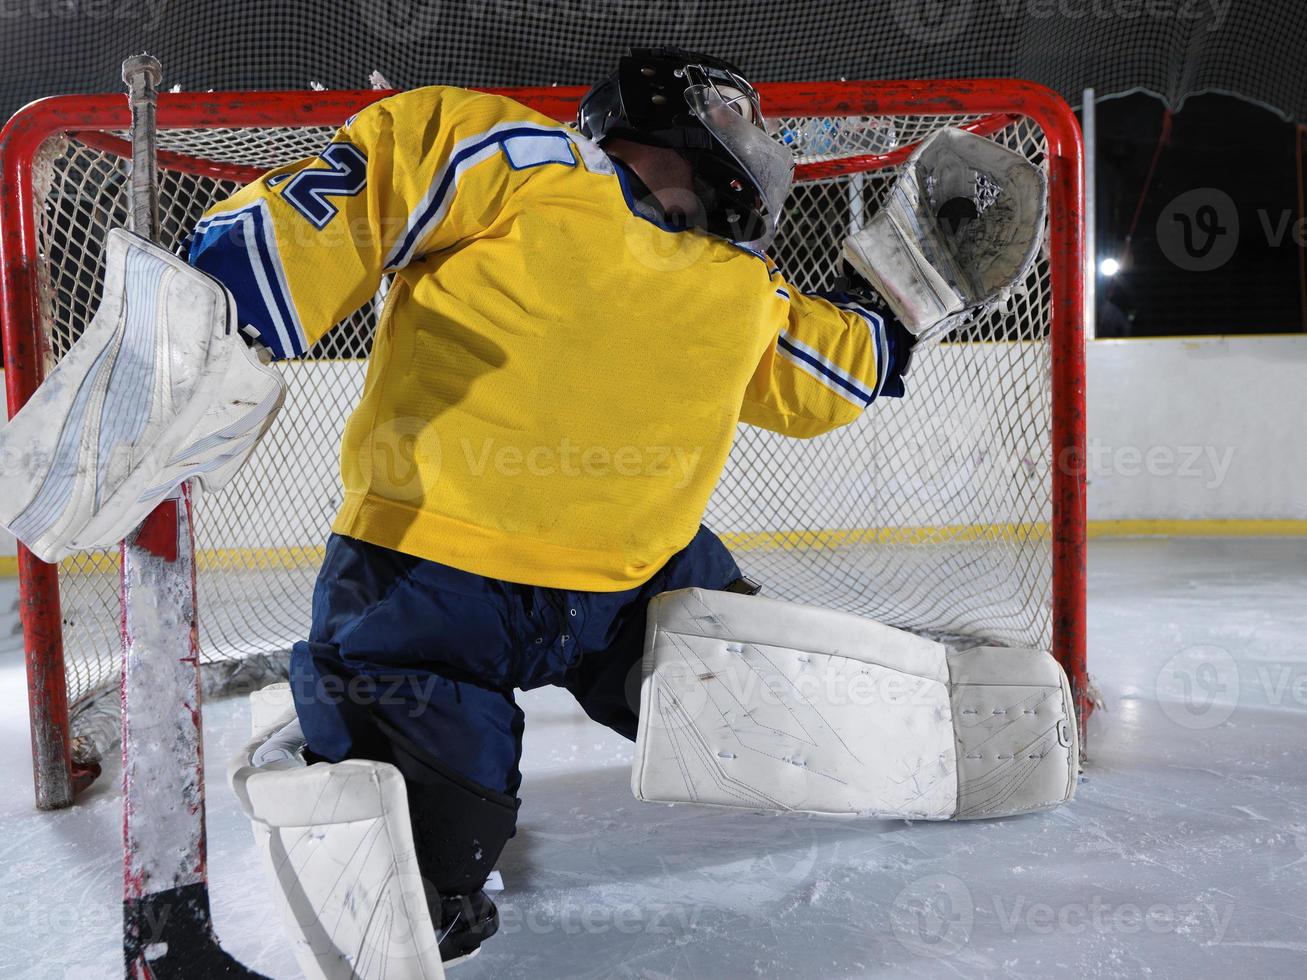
707 110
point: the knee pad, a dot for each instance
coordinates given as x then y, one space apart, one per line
756 703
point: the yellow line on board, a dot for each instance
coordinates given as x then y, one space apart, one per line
208 559
746 540
1271 528
217 558
1210 528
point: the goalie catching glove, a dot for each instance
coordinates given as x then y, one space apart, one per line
766 705
962 226
158 389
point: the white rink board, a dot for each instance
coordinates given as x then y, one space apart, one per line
1199 428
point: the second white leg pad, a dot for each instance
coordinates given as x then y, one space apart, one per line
751 702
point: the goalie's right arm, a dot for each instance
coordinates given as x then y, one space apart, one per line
834 354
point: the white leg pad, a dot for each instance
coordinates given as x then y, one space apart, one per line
1015 727
751 702
337 848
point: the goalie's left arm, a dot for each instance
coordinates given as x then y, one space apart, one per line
834 354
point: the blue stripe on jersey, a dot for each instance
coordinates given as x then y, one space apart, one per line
822 369
468 152
237 250
782 293
879 343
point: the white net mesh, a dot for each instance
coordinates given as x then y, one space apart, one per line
931 513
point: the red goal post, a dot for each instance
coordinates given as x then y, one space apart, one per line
986 540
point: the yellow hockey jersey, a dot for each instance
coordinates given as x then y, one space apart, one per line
557 375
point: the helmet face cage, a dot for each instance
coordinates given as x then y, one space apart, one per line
732 88
651 99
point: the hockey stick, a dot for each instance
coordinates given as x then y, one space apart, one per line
167 930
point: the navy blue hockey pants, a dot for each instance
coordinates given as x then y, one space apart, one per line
430 656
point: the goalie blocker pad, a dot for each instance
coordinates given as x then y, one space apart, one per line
962 226
337 848
158 389
751 702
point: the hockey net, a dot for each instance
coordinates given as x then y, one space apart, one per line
954 512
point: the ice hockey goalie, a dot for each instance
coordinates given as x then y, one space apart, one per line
576 321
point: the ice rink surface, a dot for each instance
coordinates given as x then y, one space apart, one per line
1184 853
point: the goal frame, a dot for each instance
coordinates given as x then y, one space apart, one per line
25 347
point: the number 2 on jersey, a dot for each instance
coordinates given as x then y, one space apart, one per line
308 192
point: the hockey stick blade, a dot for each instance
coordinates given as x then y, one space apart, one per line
169 935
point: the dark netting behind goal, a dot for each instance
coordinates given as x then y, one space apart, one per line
1169 47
